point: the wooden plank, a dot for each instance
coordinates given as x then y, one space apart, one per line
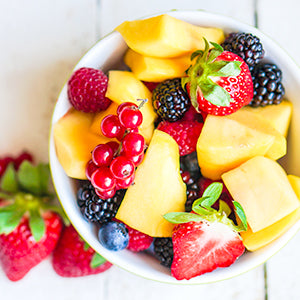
281 21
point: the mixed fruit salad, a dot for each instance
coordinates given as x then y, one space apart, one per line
178 152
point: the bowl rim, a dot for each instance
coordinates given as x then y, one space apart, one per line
206 278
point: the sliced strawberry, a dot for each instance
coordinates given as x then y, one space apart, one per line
74 258
206 239
201 247
219 82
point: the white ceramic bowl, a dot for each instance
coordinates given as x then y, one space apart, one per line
107 54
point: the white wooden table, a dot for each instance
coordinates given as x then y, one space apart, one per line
40 42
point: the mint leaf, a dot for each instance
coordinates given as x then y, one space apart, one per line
232 68
197 206
224 208
241 214
37 225
182 217
9 181
212 194
97 260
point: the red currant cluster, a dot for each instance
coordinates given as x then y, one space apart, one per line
113 164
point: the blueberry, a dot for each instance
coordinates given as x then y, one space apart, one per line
113 236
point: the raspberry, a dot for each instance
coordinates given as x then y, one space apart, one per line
86 90
185 133
151 85
138 241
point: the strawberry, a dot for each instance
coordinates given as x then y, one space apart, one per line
29 226
219 82
74 258
185 133
205 239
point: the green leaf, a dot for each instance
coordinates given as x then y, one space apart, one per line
197 206
37 225
215 94
212 192
217 46
196 53
86 246
44 174
182 217
241 214
231 68
11 220
9 181
97 260
214 53
4 195
224 208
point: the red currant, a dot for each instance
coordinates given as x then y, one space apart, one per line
102 155
126 183
90 169
103 179
130 117
114 146
133 144
105 194
122 167
111 126
137 159
4 162
23 156
125 104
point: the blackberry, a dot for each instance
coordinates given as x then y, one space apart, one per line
190 163
95 209
267 85
163 249
170 101
245 45
192 193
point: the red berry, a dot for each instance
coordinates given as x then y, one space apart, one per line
103 179
114 146
125 183
111 126
185 133
4 162
137 159
105 194
151 85
22 157
90 169
133 144
130 117
122 167
86 90
138 241
125 104
102 155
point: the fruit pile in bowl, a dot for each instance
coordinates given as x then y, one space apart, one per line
169 151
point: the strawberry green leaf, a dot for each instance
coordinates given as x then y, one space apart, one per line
215 94
212 194
196 53
97 260
9 181
232 68
4 195
44 174
217 46
11 220
37 225
214 53
86 246
241 214
182 217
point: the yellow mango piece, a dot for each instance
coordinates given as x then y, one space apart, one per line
259 239
262 187
123 86
156 69
279 115
226 142
158 189
96 123
74 142
166 36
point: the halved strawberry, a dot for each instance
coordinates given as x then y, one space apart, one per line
219 82
205 239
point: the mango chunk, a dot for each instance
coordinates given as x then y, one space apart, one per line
259 239
226 142
158 189
123 86
74 142
166 36
279 115
155 69
261 186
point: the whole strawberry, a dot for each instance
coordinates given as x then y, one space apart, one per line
185 133
74 258
219 82
205 239
29 227
86 90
